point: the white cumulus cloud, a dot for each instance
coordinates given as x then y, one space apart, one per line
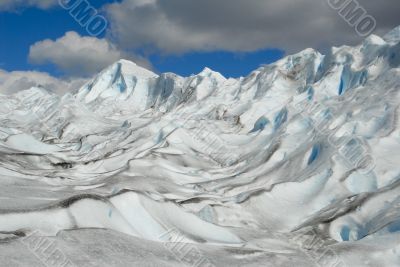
15 81
77 55
6 5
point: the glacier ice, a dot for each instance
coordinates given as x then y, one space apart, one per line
245 170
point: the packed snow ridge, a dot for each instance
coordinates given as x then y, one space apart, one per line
306 146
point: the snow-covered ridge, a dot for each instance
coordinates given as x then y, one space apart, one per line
309 142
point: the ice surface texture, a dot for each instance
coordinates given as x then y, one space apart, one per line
309 143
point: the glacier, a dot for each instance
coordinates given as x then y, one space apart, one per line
295 164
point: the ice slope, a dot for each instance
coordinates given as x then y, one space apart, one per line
309 143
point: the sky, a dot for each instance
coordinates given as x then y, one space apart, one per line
46 40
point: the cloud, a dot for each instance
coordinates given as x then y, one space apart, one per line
179 26
79 56
7 5
13 82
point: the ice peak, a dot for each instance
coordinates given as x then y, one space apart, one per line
207 72
115 80
129 68
126 62
374 39
393 36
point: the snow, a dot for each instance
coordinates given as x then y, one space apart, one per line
243 171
